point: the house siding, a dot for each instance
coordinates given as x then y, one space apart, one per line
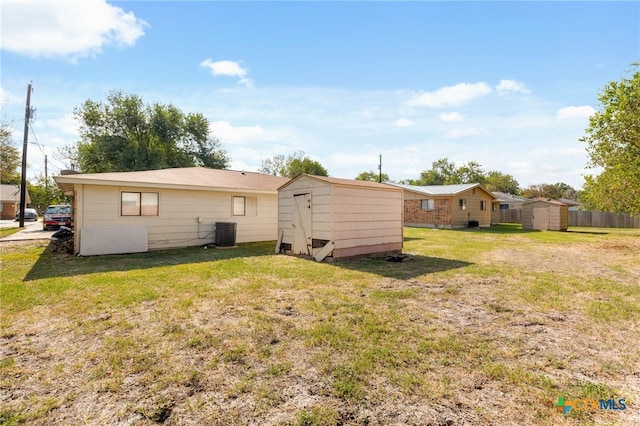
446 212
439 217
460 218
177 223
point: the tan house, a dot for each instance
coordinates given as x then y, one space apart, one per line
10 200
448 206
545 214
127 212
322 216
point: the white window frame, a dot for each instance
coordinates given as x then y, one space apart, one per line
239 205
144 203
430 202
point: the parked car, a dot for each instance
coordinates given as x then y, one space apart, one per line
29 214
56 216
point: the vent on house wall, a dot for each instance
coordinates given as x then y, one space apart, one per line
225 234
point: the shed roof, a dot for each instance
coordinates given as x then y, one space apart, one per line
345 182
443 190
198 178
545 200
11 193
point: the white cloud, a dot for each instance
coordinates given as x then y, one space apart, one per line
241 135
508 86
572 112
452 95
451 117
404 122
460 133
7 97
69 29
228 68
68 125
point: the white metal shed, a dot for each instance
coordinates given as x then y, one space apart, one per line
321 216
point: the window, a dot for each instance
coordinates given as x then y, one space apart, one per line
239 206
483 205
244 206
462 203
139 203
494 207
427 204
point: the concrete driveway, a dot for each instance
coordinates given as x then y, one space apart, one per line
31 231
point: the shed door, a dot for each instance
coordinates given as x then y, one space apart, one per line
302 224
541 218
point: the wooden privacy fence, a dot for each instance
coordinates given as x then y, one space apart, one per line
595 219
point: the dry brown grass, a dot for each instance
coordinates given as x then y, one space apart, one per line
478 328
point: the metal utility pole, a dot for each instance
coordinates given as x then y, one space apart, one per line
23 181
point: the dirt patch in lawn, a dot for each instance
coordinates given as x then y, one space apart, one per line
495 343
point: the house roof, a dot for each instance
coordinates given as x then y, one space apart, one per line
341 181
11 193
196 178
443 190
504 197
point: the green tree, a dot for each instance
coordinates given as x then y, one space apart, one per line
10 159
123 134
373 176
445 172
613 144
470 172
442 172
548 190
292 166
496 181
45 192
276 165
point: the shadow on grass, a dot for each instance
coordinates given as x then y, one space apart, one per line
410 266
501 228
65 265
573 231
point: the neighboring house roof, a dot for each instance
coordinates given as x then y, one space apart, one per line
545 200
341 181
443 190
506 198
195 178
11 193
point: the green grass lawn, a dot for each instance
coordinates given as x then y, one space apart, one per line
5 232
480 327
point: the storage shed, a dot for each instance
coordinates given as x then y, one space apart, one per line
545 214
323 216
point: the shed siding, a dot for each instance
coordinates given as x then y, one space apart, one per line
558 216
366 217
358 220
178 211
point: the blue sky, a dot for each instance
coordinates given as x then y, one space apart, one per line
507 84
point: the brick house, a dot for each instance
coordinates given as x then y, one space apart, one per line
448 206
